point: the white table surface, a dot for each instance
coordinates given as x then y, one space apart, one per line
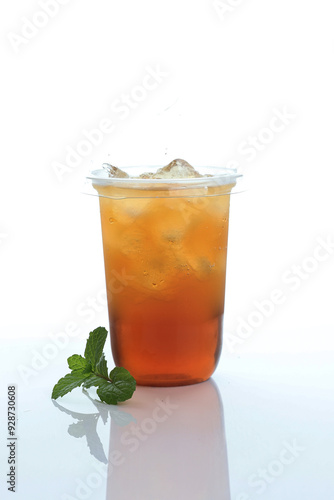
262 427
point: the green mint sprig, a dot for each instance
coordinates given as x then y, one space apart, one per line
91 370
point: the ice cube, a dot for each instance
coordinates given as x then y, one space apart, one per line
147 175
177 169
114 171
201 266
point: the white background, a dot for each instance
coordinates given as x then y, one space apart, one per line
224 75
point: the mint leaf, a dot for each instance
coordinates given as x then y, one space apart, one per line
92 371
77 362
106 393
95 344
101 367
121 388
67 384
93 381
120 374
112 393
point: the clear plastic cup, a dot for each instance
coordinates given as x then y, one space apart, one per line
165 248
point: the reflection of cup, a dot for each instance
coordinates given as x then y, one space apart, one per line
165 244
175 450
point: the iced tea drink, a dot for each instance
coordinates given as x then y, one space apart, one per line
165 244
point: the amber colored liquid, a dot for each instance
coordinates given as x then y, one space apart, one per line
165 264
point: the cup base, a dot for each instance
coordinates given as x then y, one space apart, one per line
168 380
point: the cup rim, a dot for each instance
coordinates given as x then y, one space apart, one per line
214 176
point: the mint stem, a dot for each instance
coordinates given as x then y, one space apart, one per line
102 376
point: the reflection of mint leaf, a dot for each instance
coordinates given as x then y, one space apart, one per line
87 428
67 384
121 418
92 370
77 429
95 344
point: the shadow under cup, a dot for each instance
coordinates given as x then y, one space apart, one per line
165 246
